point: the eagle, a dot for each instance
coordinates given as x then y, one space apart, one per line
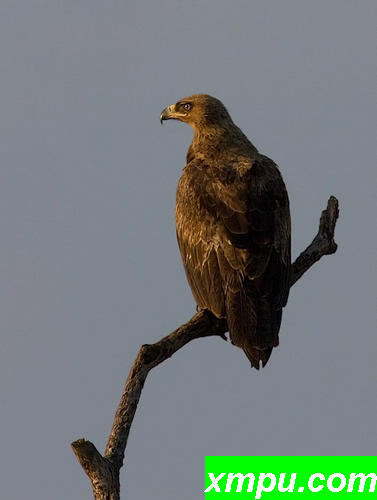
233 227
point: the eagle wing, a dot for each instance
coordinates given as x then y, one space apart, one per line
253 207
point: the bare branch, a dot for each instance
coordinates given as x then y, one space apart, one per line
323 243
203 324
103 472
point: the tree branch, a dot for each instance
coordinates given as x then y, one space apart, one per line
323 243
103 472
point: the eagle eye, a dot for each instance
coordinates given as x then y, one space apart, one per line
187 106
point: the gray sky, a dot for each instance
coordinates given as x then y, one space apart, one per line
89 263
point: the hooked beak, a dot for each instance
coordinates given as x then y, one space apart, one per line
168 113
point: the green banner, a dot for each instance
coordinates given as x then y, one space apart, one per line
268 478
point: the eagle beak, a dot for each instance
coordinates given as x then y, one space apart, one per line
167 114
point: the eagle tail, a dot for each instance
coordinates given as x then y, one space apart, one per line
256 356
253 325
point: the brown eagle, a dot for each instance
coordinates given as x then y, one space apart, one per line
233 227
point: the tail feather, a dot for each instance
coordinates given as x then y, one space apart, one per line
253 325
256 356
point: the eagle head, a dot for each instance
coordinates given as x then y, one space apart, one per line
199 111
